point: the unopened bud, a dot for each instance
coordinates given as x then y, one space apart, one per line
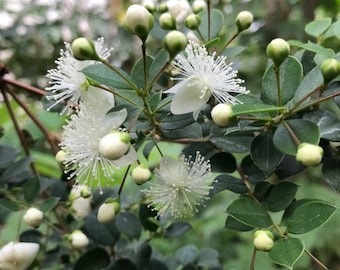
107 211
222 114
244 20
330 69
139 21
78 239
84 49
60 157
278 50
149 5
114 145
167 21
309 154
263 240
141 174
192 22
198 6
33 217
175 42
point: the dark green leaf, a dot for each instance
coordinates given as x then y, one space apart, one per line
317 27
161 58
208 258
143 254
216 23
337 29
48 204
254 174
290 78
280 196
176 121
155 264
123 263
147 217
128 224
331 173
93 259
223 162
6 203
128 97
191 131
101 74
176 229
155 100
7 155
265 154
306 131
17 171
233 143
306 215
254 108
187 254
234 224
249 212
228 182
313 48
31 235
31 188
137 72
205 149
286 252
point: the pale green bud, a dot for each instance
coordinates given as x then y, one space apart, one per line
149 5
78 239
330 69
163 7
222 114
244 20
114 145
107 211
192 21
84 49
175 42
60 157
278 50
139 21
309 154
141 174
167 21
198 6
263 240
33 217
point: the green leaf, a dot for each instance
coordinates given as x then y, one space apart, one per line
208 258
31 189
142 254
290 77
318 27
331 173
306 215
337 29
48 204
128 224
306 131
176 121
137 72
176 229
223 162
313 48
250 212
154 100
312 80
191 131
187 254
7 155
147 217
93 259
101 74
264 154
123 263
253 108
216 23
232 143
10 205
233 224
286 252
17 171
233 51
228 182
158 63
280 196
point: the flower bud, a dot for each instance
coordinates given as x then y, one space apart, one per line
114 145
175 42
162 7
263 240
180 9
278 50
84 49
141 174
198 6
33 217
222 114
192 22
309 154
60 157
167 21
107 211
330 69
18 256
244 20
139 21
78 239
80 206
149 5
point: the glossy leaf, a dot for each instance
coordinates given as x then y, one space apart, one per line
317 27
286 252
31 189
233 51
313 47
306 131
48 204
234 224
177 228
128 224
158 62
264 154
331 173
9 204
93 259
290 78
176 121
280 196
137 72
216 23
7 155
123 263
232 143
223 162
306 215
254 108
17 171
228 182
142 254
248 211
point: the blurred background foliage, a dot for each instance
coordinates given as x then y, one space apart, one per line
32 32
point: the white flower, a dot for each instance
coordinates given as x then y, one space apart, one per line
33 217
17 256
203 77
80 142
182 186
69 84
180 9
80 205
